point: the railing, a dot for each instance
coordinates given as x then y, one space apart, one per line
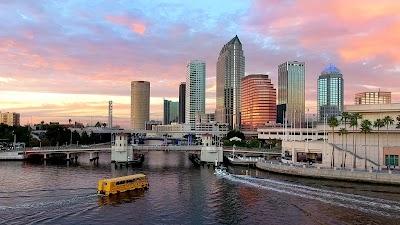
319 166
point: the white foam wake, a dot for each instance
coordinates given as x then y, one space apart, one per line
362 203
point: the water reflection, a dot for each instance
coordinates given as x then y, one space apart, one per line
120 198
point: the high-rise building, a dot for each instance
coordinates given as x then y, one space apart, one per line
10 119
195 91
171 110
377 97
258 101
182 96
140 104
230 71
291 92
330 93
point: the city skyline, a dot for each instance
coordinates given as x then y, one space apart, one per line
60 65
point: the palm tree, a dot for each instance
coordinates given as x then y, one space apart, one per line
343 132
354 124
378 124
333 122
345 118
398 121
365 128
388 121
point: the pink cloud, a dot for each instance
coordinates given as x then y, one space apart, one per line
135 25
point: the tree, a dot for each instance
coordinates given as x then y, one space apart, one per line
354 117
388 121
76 138
365 128
345 119
398 122
379 123
333 122
85 139
343 132
235 133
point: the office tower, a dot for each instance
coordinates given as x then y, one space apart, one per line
377 97
330 93
291 92
171 110
195 91
182 96
230 71
10 119
140 104
258 101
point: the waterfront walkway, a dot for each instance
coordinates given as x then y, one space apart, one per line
380 177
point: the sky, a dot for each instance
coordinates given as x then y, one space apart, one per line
67 59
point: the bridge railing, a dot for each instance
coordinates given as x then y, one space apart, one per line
168 148
70 147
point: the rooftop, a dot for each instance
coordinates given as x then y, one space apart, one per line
331 69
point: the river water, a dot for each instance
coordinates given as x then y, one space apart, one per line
181 194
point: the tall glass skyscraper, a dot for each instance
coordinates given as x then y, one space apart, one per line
330 93
195 91
182 96
171 111
258 101
230 71
291 92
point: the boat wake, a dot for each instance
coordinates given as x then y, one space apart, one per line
47 204
362 203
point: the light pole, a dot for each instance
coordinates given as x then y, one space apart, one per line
307 123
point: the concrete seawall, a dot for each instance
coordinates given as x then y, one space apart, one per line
345 175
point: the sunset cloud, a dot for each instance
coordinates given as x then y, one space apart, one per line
61 59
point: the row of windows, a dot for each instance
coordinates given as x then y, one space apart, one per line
126 181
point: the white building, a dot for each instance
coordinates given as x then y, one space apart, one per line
195 91
376 148
120 151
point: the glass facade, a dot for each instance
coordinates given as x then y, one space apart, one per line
171 112
230 71
182 93
258 101
330 93
379 97
291 91
195 91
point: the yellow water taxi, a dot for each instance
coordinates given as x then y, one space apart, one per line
122 184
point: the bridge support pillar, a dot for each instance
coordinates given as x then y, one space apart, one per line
45 159
94 156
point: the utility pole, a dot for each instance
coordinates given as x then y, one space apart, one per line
110 114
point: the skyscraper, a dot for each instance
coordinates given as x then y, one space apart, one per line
171 111
195 91
182 96
140 104
230 71
258 101
330 93
291 92
373 97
